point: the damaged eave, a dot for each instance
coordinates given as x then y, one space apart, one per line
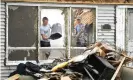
74 1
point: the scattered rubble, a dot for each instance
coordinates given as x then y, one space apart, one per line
98 62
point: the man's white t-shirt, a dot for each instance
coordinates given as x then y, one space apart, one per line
46 31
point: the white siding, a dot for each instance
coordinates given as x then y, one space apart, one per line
5 70
106 15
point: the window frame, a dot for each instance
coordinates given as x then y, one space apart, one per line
68 47
82 48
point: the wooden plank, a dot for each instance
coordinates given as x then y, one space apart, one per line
118 69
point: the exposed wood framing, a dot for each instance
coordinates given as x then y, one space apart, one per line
77 1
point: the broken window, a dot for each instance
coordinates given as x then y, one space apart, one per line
24 36
22 32
82 28
57 18
22 26
55 46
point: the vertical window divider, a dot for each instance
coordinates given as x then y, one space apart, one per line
69 34
38 37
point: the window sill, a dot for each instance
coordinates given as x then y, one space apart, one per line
15 63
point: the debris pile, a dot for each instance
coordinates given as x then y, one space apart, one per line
98 62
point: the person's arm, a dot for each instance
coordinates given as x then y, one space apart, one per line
75 30
79 32
44 37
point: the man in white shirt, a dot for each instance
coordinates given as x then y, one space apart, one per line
45 33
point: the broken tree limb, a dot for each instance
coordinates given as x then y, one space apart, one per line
118 69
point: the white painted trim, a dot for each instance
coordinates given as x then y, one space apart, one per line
52 5
69 35
120 28
21 48
125 6
78 47
17 62
41 48
14 63
96 23
39 24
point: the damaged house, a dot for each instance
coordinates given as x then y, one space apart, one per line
107 21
